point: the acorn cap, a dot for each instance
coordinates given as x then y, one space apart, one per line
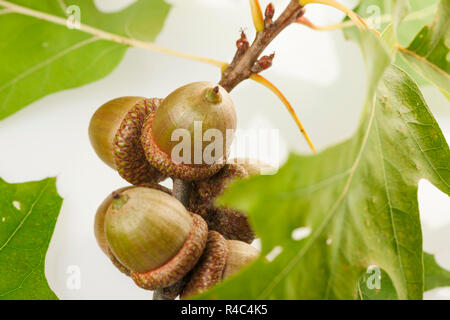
240 254
210 267
231 223
145 228
129 156
210 188
179 266
182 120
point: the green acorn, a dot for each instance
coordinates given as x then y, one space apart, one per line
153 237
190 113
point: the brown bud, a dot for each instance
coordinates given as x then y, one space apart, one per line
263 63
242 44
270 11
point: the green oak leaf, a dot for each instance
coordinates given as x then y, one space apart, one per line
376 284
435 275
428 53
28 214
400 10
408 18
40 58
357 199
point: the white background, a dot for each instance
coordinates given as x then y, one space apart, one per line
321 74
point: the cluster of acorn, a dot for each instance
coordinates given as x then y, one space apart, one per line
146 232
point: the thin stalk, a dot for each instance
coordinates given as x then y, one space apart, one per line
386 18
357 20
269 85
109 36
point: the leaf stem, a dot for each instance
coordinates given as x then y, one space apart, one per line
257 16
274 89
357 20
417 15
247 63
232 74
131 42
182 191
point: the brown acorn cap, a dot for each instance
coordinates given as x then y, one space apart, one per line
175 269
99 223
210 267
211 188
232 224
240 254
129 156
145 228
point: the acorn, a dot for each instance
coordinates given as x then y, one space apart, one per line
152 237
99 223
232 224
189 135
253 167
115 131
240 255
220 260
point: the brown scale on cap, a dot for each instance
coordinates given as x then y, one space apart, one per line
232 224
129 156
180 264
209 189
209 269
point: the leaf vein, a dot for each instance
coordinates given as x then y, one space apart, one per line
271 285
47 62
26 215
389 203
